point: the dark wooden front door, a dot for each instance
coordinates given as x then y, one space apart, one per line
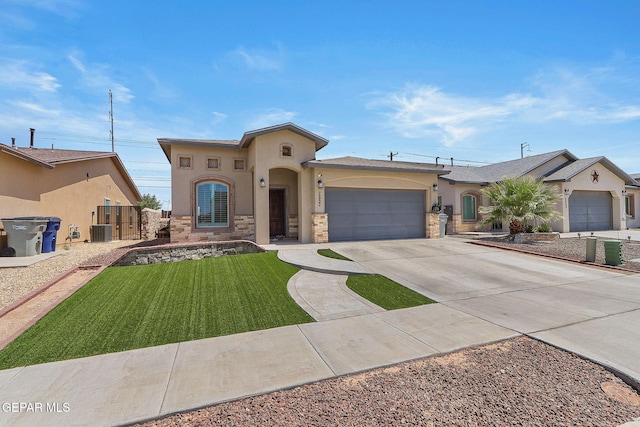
276 212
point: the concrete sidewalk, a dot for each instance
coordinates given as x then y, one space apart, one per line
136 385
487 295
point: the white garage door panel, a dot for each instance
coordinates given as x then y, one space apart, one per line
356 214
590 211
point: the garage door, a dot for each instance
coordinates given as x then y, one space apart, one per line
590 211
356 214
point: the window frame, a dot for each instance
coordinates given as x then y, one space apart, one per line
284 147
217 168
235 165
229 226
474 197
185 156
629 205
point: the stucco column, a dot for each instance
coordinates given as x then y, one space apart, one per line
261 208
306 195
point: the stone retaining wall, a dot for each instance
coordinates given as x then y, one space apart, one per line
536 237
164 254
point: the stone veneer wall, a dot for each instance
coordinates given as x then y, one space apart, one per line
164 254
182 230
152 221
320 228
460 226
432 221
293 226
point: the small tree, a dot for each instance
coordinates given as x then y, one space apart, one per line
150 201
520 201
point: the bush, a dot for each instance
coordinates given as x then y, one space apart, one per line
544 228
528 228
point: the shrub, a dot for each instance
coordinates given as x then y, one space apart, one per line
544 228
528 228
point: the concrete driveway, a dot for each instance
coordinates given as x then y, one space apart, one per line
590 311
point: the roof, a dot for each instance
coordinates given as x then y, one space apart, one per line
484 175
166 143
573 169
247 139
380 165
49 158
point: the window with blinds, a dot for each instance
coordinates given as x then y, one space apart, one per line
212 204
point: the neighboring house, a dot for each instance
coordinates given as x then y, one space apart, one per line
268 185
632 203
68 184
596 194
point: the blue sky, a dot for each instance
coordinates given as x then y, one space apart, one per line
472 80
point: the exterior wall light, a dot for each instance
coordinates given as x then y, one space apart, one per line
624 192
566 191
435 187
320 183
262 183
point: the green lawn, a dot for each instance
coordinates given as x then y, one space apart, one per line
331 254
126 308
385 292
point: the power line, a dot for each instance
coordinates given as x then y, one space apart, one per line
440 157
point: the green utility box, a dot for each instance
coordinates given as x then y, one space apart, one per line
612 252
591 249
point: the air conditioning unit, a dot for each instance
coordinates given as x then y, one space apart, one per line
101 233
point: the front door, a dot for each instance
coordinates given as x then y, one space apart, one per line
276 212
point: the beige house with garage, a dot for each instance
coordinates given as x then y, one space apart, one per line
268 185
596 194
69 184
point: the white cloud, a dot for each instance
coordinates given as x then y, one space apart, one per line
35 108
19 74
95 76
271 117
419 111
261 60
598 95
218 117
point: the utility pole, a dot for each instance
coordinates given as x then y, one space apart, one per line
111 120
391 154
522 147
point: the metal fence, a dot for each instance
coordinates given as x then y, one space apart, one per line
126 223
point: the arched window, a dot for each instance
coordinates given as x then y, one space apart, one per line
212 204
469 212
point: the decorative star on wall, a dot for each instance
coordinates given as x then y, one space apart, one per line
595 176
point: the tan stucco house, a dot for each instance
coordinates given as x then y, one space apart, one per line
269 185
69 184
596 194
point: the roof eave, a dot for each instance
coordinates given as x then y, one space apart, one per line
317 164
249 136
17 153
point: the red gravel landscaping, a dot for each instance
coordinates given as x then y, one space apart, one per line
519 382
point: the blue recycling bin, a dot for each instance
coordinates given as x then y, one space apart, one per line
50 235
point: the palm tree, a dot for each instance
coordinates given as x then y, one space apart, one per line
520 201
